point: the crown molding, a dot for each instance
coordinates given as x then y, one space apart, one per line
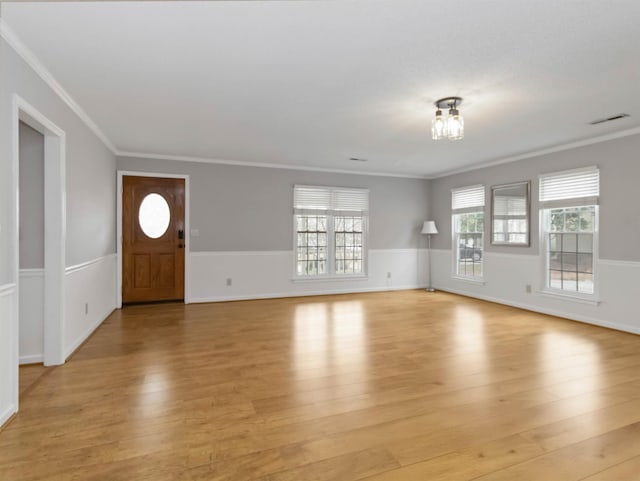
239 163
30 58
538 153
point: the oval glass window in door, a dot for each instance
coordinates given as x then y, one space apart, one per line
154 215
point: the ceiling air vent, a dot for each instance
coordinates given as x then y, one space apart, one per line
615 117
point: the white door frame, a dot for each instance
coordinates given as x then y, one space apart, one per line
187 231
54 231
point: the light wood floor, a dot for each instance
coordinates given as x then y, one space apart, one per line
30 375
379 387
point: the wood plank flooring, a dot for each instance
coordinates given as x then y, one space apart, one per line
29 376
379 387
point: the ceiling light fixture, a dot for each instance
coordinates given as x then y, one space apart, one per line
453 127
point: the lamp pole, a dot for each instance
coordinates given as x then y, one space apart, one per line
430 288
429 228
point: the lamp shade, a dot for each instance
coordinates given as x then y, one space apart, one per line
429 227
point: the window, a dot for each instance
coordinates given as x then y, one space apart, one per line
569 207
330 231
312 245
510 214
510 221
467 205
154 216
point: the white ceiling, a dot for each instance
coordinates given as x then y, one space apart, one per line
312 83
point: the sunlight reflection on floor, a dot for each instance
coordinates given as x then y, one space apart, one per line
330 340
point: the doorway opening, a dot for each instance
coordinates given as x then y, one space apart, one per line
31 249
40 250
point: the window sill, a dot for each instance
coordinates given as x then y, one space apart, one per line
470 280
330 278
569 297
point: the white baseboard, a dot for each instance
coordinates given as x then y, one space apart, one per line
304 294
7 413
85 335
32 359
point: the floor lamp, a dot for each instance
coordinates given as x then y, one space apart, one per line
429 228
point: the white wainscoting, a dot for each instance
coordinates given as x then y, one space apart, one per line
91 283
507 275
8 347
31 293
268 274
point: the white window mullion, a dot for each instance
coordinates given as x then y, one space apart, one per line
544 242
331 247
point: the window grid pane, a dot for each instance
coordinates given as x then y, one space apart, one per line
468 238
348 233
570 240
311 255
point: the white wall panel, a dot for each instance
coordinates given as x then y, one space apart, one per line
31 336
264 274
90 298
8 347
507 275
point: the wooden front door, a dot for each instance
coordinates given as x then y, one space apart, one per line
153 239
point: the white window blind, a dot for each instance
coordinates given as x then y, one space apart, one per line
330 200
570 188
311 198
467 199
509 206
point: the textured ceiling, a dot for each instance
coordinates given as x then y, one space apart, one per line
313 83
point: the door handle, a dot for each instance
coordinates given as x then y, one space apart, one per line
181 234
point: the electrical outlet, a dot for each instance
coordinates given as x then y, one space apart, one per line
86 308
229 281
528 288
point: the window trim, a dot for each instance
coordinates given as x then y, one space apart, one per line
545 288
454 271
331 214
468 209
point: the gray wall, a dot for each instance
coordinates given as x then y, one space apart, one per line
619 165
90 167
31 198
250 208
6 175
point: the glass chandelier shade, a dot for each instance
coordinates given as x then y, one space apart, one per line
455 125
450 127
438 126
